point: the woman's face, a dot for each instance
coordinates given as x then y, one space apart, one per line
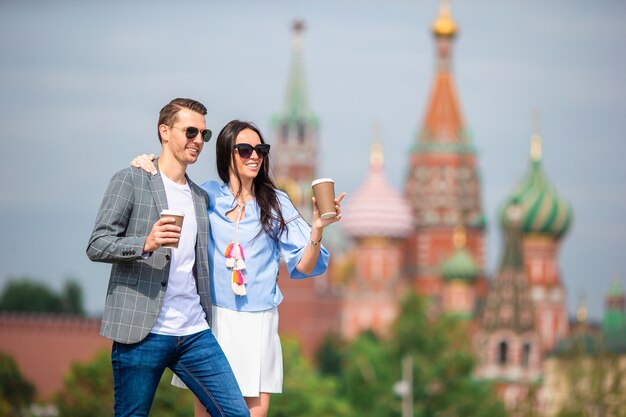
248 168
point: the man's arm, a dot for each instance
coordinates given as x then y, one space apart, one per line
108 242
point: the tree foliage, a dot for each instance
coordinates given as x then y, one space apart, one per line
355 378
329 357
72 300
306 393
443 364
88 392
442 360
369 373
596 380
27 295
15 392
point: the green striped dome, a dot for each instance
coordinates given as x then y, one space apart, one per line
544 210
459 266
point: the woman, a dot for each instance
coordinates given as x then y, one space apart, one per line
252 225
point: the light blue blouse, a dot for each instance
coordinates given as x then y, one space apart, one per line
262 255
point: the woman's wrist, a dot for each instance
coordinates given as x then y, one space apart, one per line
314 242
316 236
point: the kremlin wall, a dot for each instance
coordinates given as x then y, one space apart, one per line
428 238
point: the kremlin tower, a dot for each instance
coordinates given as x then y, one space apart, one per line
546 217
443 183
309 310
295 132
378 218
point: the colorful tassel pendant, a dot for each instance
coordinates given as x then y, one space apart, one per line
239 283
235 260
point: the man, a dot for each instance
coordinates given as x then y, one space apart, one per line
158 302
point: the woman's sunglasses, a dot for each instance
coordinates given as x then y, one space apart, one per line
245 150
191 133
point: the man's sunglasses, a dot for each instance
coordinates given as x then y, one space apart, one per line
245 150
191 133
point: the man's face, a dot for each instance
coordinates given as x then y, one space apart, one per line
184 150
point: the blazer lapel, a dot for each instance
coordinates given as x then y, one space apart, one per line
158 189
200 205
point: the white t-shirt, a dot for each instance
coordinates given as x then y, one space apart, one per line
182 313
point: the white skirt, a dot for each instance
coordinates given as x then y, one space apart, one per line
251 344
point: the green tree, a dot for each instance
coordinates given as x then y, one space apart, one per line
305 392
88 392
442 359
329 357
369 373
72 301
15 392
26 295
88 389
443 362
596 379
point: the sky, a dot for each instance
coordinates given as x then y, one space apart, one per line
81 85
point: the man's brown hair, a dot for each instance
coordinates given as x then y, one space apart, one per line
167 115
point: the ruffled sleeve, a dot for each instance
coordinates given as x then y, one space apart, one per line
295 238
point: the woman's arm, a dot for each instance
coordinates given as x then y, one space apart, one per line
312 251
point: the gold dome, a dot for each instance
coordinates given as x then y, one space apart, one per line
444 25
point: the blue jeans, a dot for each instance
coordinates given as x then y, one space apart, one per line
197 359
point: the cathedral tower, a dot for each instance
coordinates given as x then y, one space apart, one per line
443 183
546 217
378 218
507 343
459 273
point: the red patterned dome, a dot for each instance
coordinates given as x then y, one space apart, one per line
376 208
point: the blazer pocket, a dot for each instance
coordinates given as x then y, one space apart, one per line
159 259
125 273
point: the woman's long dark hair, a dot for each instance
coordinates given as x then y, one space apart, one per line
263 187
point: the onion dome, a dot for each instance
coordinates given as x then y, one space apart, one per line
461 265
544 211
376 208
444 25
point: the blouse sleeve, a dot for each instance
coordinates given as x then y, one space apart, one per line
212 188
295 238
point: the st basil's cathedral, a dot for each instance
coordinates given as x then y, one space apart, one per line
429 237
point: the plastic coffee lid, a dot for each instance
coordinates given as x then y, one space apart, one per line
320 180
172 212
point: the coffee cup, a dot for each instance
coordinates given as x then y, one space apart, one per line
178 216
324 192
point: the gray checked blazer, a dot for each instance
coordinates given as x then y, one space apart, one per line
130 207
